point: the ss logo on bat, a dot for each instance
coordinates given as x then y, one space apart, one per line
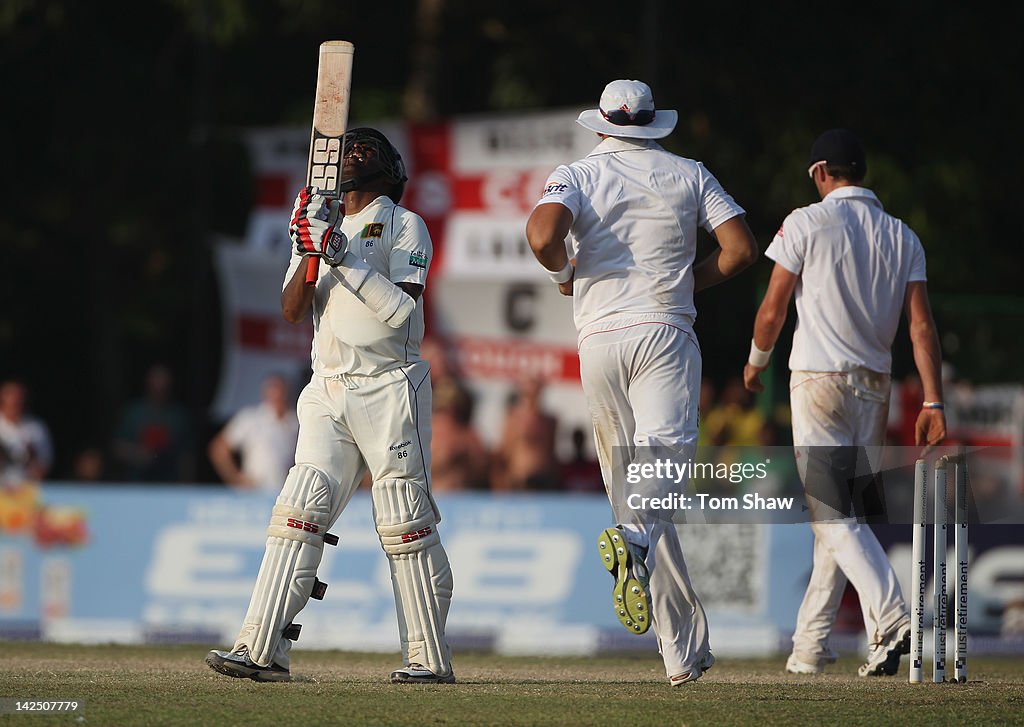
326 157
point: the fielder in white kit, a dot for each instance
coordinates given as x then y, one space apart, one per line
853 268
367 406
631 210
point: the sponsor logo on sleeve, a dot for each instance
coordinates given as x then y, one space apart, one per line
418 259
779 233
555 188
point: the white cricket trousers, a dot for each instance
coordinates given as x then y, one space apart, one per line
641 375
843 409
382 424
350 424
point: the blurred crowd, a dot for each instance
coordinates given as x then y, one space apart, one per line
524 458
155 439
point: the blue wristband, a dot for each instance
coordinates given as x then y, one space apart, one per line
933 405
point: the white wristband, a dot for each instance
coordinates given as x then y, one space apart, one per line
758 358
562 276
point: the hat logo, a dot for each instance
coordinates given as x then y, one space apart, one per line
626 109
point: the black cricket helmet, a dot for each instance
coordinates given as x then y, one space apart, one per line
392 166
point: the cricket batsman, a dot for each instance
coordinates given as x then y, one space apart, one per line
367 406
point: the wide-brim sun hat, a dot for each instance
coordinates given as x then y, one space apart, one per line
627 109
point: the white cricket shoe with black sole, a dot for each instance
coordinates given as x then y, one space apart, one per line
239 665
884 659
419 674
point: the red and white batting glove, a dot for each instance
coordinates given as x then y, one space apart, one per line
311 229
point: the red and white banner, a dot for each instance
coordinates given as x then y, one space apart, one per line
990 415
257 340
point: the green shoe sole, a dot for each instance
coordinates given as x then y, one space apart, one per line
630 600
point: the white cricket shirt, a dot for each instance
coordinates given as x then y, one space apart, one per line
635 210
854 261
347 337
266 443
21 441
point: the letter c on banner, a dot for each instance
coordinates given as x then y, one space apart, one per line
520 303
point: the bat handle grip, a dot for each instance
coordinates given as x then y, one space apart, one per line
312 270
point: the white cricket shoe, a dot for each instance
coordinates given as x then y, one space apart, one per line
238 664
691 676
884 659
419 674
795 666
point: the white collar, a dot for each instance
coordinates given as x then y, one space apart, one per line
854 192
620 143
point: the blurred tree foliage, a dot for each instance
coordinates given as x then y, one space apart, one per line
121 133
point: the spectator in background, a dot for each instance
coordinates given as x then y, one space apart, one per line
734 422
262 437
460 461
442 367
582 473
152 443
89 465
26 450
526 454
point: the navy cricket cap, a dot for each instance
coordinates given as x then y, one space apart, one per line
840 147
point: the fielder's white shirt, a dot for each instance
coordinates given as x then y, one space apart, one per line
635 210
347 337
266 443
854 261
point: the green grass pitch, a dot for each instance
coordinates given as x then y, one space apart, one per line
172 686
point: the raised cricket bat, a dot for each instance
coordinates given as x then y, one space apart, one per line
330 118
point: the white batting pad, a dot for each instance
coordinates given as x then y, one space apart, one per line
295 541
406 521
